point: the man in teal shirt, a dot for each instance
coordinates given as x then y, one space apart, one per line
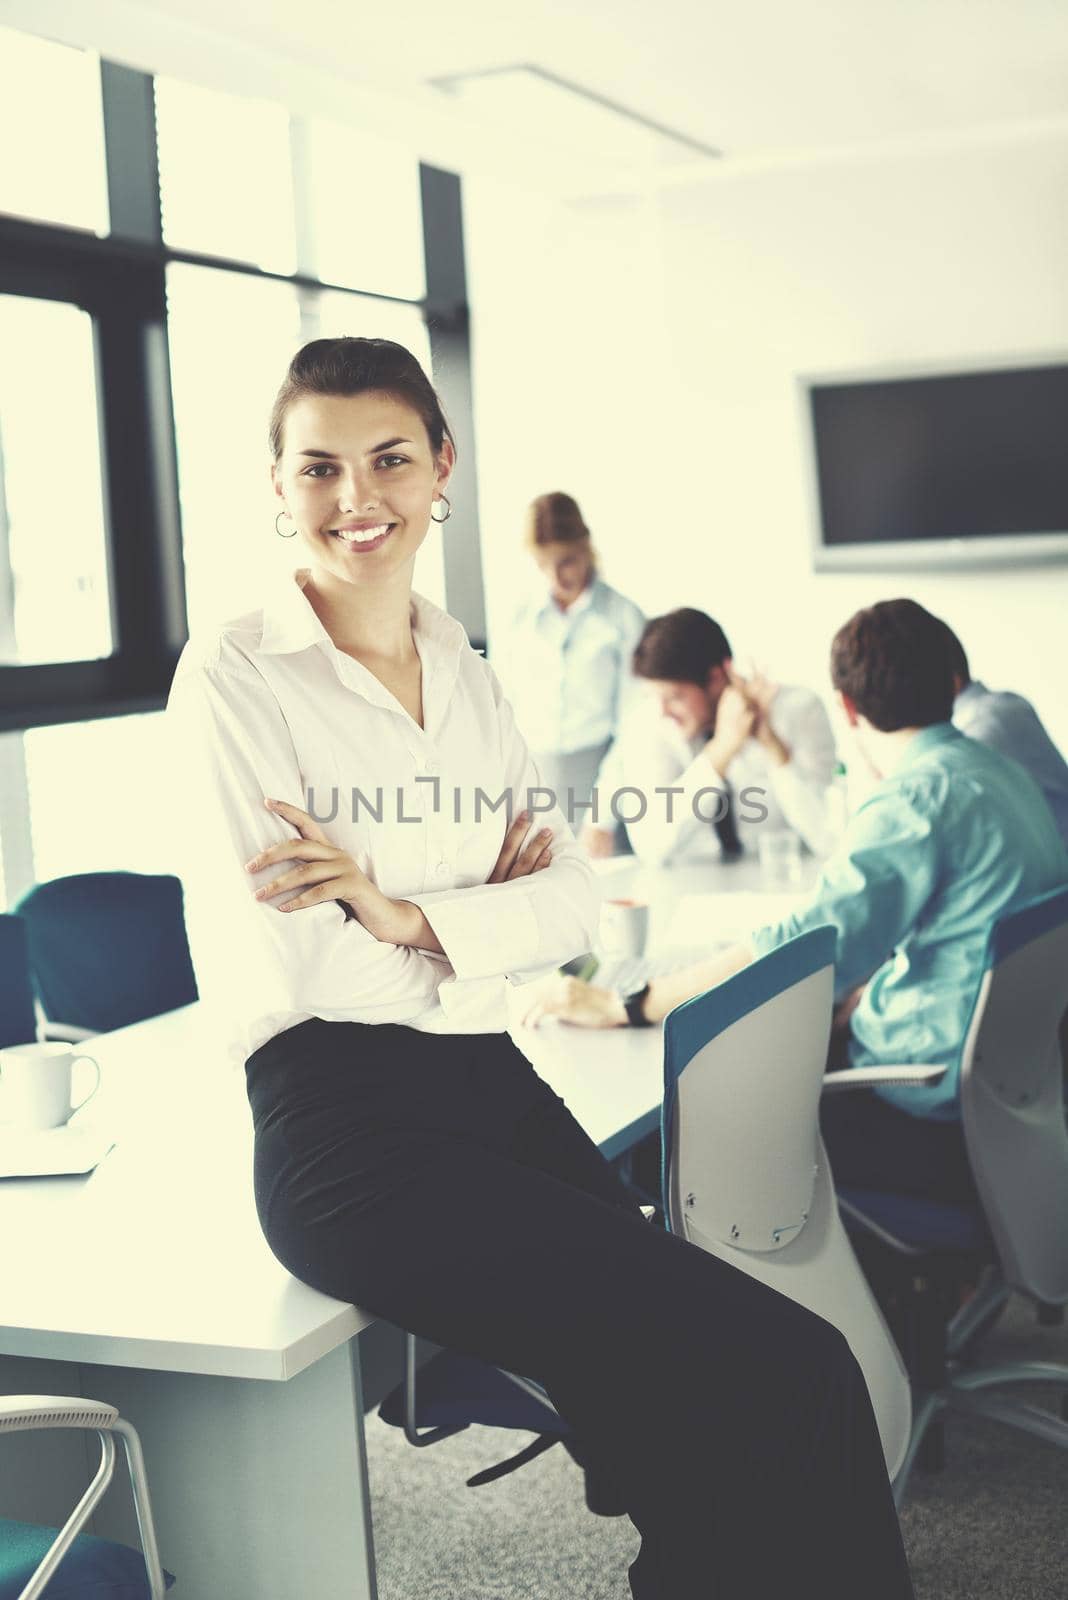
952 837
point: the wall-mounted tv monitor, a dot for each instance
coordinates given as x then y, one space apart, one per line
962 468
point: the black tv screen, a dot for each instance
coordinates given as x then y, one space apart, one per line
958 465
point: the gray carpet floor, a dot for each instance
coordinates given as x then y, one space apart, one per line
992 1526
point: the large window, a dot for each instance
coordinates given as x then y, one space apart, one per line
164 249
51 133
231 339
363 210
54 594
224 176
98 798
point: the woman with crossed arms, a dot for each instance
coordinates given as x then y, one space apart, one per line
407 1156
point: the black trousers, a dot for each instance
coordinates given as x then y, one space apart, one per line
873 1145
438 1182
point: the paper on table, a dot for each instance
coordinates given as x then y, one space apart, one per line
51 1152
723 918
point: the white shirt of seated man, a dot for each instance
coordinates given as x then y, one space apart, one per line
771 743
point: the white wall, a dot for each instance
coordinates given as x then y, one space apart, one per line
673 333
566 339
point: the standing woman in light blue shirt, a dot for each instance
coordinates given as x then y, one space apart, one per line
566 658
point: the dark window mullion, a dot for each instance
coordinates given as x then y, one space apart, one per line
132 393
129 106
450 344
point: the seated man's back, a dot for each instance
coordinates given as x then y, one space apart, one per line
1010 724
1007 723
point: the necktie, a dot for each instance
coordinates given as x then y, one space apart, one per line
726 831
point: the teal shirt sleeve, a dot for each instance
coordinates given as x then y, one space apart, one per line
874 888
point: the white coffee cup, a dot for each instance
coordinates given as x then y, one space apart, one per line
35 1085
624 928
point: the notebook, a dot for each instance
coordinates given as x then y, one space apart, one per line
52 1152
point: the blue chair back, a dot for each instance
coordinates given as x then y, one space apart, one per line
793 987
108 948
18 1022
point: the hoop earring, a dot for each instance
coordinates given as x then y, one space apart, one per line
448 511
278 530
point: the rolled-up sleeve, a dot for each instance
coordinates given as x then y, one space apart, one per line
233 749
530 924
872 891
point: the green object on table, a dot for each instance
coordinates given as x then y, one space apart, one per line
584 967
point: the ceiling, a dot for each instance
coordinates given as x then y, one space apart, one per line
771 80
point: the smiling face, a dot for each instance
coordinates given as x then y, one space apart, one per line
566 566
358 476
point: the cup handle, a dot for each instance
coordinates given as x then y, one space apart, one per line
84 1101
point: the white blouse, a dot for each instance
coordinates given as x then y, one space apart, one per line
269 707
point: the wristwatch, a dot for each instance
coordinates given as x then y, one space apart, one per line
632 1005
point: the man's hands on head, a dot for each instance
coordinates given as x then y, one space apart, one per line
735 722
756 686
759 692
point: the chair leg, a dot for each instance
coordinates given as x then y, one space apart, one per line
1010 1373
931 1456
978 1315
926 1416
75 1522
411 1426
143 1506
1028 1418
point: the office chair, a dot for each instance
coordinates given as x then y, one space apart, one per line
744 1177
1016 1239
67 1564
107 949
18 1022
745 1174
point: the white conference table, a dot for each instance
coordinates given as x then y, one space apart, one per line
148 1284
